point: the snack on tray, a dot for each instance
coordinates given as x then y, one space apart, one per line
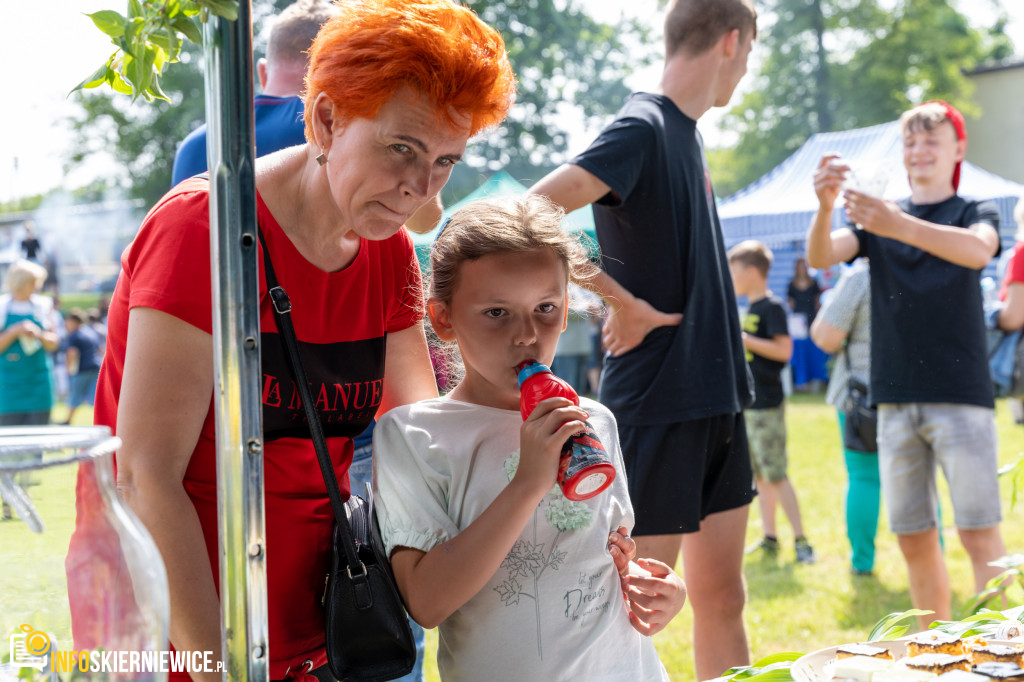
934 642
937 663
863 649
901 674
859 668
960 676
997 652
1000 670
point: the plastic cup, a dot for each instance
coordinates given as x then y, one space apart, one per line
868 178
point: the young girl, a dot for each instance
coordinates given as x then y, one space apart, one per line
523 583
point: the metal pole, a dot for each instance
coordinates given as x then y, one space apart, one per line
233 252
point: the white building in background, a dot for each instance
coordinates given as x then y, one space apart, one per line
996 140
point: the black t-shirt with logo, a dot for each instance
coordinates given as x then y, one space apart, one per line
661 239
766 319
927 323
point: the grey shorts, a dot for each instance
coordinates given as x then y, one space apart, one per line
915 437
766 435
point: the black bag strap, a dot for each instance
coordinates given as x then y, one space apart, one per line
282 312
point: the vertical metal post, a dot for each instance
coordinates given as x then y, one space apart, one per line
233 251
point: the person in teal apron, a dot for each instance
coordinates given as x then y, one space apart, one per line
27 339
26 342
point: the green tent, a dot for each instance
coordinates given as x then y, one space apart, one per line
499 185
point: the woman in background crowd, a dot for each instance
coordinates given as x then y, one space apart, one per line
27 339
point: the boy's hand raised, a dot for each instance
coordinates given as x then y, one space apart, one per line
541 437
879 216
828 179
655 594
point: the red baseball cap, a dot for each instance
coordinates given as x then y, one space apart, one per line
960 126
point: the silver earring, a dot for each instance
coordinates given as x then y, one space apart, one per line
322 159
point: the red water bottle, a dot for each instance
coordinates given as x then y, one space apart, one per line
584 469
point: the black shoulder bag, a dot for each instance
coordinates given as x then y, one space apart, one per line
368 635
861 429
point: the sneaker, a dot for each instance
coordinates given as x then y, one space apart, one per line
804 552
769 546
858 573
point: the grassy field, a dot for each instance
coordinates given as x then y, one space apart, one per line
790 607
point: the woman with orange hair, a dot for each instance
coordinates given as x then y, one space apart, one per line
394 90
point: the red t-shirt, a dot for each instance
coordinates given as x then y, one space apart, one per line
341 321
1014 270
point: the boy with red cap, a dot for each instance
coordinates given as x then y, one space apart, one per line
929 371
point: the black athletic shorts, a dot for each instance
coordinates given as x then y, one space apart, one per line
680 473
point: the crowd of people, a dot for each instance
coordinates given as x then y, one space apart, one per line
690 405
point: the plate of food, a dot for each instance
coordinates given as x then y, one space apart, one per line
927 655
819 665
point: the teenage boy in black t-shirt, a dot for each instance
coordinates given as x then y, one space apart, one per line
769 347
929 373
675 374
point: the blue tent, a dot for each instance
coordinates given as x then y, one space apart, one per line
777 209
499 185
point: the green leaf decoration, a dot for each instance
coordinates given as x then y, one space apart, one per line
999 588
1015 472
118 83
155 91
109 21
189 28
895 625
149 37
774 675
774 668
98 77
784 657
228 9
161 39
983 623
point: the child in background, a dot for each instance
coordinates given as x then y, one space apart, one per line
84 351
769 346
523 583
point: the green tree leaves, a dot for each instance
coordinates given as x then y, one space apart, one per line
566 61
148 38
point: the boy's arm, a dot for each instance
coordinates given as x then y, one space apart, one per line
972 247
824 247
71 359
629 319
778 348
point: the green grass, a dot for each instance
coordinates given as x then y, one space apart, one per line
79 299
790 607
